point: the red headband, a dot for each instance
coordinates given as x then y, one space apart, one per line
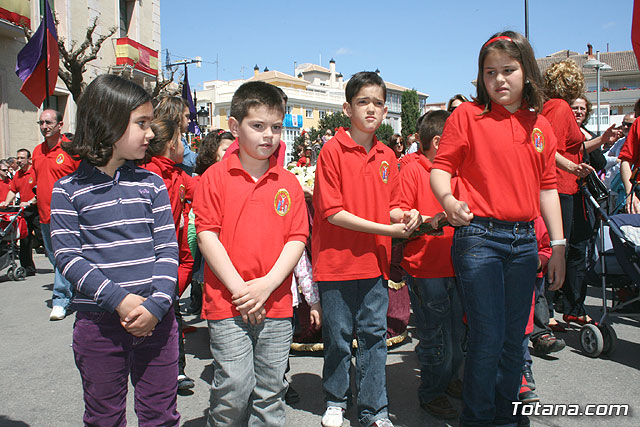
495 39
221 131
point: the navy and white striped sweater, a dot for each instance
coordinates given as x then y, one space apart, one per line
113 236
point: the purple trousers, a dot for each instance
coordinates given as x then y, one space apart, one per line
106 355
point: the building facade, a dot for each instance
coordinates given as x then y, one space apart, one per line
132 50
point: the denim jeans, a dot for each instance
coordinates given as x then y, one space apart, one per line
106 356
249 361
62 289
495 263
358 306
438 315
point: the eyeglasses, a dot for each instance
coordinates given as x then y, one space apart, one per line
46 122
626 124
4 170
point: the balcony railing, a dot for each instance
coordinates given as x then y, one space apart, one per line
16 12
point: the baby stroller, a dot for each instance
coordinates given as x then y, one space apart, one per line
12 227
618 267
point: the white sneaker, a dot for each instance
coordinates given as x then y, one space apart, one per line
57 313
384 422
333 417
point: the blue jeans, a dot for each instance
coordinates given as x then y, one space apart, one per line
438 315
249 361
495 263
62 289
358 306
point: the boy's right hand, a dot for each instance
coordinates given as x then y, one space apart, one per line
128 303
458 212
399 230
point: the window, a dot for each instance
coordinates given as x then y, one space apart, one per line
51 6
309 114
322 114
126 13
289 109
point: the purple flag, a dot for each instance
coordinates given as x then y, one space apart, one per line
186 94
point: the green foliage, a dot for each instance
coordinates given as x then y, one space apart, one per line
384 133
410 112
330 121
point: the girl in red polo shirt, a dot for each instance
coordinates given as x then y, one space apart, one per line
164 152
503 152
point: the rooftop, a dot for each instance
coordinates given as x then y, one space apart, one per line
621 62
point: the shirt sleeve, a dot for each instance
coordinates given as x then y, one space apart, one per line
407 188
454 144
302 271
165 269
65 238
206 202
327 196
394 186
629 150
549 178
300 221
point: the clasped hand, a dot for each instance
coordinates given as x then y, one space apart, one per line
134 317
250 301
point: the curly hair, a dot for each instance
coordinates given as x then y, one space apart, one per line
208 152
564 80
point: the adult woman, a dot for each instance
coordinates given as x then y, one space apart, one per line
456 100
564 83
397 145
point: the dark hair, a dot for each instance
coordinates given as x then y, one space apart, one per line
171 108
517 47
164 131
636 108
208 152
457 97
362 79
395 138
432 125
104 111
255 94
26 151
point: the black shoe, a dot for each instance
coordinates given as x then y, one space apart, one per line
528 377
526 395
291 397
548 344
440 407
185 383
454 389
30 271
523 421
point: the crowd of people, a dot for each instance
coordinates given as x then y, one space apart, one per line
130 217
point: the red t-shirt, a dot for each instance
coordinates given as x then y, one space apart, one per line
427 256
503 160
408 158
280 153
23 183
254 221
364 184
569 137
5 186
180 185
49 166
630 150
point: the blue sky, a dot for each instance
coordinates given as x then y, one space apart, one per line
431 46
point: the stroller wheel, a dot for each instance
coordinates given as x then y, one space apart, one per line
10 274
610 338
20 273
591 340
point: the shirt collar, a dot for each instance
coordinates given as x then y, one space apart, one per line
424 162
234 163
343 138
86 170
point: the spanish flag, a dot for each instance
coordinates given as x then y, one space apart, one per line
37 58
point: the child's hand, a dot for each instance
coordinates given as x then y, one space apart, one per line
436 219
411 219
129 302
581 170
556 268
458 212
258 317
315 316
257 292
399 230
140 322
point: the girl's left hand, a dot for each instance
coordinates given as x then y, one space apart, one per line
139 322
556 268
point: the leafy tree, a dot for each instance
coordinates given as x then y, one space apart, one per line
384 133
410 112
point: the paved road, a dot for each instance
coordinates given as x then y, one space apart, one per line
40 386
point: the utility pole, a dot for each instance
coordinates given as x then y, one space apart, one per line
526 19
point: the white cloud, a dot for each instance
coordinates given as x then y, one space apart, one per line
343 51
608 25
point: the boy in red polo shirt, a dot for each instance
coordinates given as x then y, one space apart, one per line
356 202
252 225
431 279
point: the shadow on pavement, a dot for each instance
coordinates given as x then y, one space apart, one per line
7 422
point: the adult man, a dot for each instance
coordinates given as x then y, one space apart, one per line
612 177
5 181
50 163
23 183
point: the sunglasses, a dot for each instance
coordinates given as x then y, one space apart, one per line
626 124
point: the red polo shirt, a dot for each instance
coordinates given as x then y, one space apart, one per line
5 186
180 185
254 221
49 166
503 160
23 183
427 256
630 150
364 184
408 158
569 137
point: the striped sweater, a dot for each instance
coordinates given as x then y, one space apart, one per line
114 236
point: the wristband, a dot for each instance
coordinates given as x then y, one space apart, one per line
561 242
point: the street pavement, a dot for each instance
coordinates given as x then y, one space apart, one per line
40 385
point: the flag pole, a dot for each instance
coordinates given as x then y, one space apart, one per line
46 58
